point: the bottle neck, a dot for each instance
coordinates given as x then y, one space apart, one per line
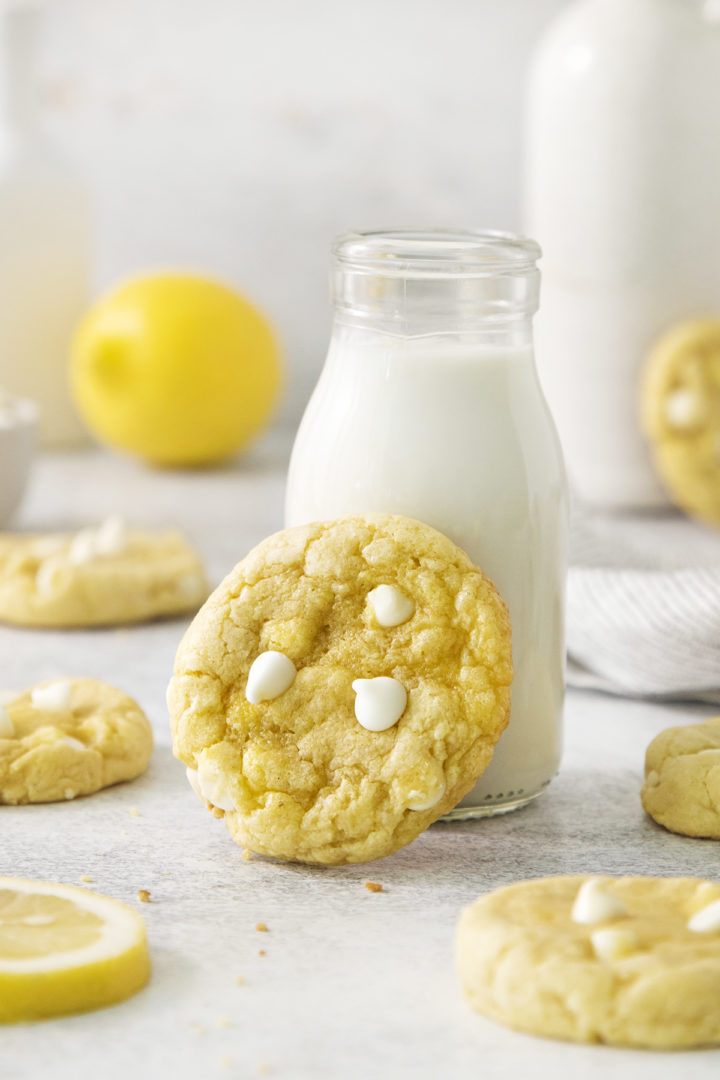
18 97
417 284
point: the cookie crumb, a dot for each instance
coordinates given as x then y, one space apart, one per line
225 1061
134 812
198 1029
217 812
239 981
261 927
224 1022
373 886
247 854
264 1069
262 952
143 896
87 879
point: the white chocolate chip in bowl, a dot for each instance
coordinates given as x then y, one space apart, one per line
7 728
55 697
594 904
379 703
270 675
613 943
390 605
706 919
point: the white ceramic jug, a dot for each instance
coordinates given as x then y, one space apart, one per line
623 176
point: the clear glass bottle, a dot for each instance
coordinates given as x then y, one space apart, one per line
429 405
45 224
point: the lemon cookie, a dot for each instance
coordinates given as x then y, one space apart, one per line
630 961
680 406
342 688
97 577
682 779
70 737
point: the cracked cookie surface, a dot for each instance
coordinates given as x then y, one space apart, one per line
70 737
682 779
298 776
57 580
526 963
680 409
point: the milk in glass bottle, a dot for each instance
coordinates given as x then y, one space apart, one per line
429 406
45 247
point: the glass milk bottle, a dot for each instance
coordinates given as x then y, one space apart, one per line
45 248
429 406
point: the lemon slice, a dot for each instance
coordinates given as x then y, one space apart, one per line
65 950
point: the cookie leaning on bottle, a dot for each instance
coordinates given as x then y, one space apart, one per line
342 688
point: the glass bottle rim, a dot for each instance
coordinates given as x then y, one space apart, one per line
435 253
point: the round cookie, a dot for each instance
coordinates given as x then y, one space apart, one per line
682 779
401 656
680 411
70 737
629 961
98 577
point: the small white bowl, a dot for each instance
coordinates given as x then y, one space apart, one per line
18 427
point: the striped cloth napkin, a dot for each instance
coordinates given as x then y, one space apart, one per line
644 607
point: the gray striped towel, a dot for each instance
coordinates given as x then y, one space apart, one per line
644 607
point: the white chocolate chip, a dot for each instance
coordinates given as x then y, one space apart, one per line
83 547
213 786
379 703
111 537
418 800
682 409
194 782
47 574
613 943
391 606
594 904
74 744
55 697
706 919
7 728
271 674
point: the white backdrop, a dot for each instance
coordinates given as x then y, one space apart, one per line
238 136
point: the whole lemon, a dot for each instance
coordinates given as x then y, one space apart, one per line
176 368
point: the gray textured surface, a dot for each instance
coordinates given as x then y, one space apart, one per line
353 983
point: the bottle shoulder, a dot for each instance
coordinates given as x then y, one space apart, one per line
598 40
